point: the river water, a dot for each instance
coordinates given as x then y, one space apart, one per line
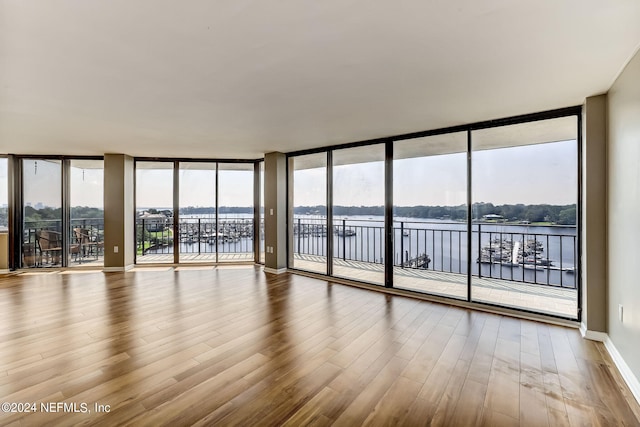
445 242
361 238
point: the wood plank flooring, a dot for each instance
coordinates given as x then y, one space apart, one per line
236 346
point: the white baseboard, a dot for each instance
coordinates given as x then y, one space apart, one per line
117 269
7 271
592 335
623 368
625 371
275 271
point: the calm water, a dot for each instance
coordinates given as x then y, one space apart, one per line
445 242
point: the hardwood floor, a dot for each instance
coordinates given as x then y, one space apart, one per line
236 346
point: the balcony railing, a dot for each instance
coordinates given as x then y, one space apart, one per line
524 253
198 236
42 243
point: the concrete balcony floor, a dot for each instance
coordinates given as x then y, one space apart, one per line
554 300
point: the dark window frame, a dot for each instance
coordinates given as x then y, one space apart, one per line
388 232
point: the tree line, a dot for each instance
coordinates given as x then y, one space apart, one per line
48 213
559 214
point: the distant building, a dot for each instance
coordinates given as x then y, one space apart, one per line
492 217
153 222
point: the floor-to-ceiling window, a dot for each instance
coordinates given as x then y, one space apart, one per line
309 212
235 211
197 212
4 212
524 212
358 213
486 212
260 234
42 239
60 212
430 214
4 195
211 204
154 212
85 232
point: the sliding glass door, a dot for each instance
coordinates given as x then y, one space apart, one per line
154 212
525 214
4 195
42 243
430 214
309 212
85 233
260 234
235 212
358 213
197 212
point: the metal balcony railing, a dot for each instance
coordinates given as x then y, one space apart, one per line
231 235
42 241
544 255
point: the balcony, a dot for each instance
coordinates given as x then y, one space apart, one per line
42 244
520 266
200 240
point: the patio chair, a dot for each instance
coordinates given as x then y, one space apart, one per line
87 244
50 243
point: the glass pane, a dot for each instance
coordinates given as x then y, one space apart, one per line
235 212
309 224
154 212
4 214
86 225
4 195
261 234
358 213
524 211
197 217
430 215
42 213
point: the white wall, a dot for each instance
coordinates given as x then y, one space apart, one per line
623 204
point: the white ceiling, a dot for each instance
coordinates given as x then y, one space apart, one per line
238 78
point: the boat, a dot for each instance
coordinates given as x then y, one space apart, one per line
497 251
421 261
527 254
536 260
315 230
189 239
217 238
